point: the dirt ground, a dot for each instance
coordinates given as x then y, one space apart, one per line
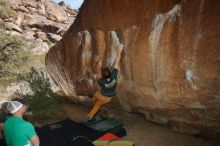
140 131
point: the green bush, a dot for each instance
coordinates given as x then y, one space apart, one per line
2 25
14 58
43 102
5 10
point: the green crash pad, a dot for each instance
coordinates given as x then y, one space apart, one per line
94 120
103 124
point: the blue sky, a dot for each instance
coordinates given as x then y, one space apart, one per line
73 3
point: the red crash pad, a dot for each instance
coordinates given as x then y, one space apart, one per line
110 139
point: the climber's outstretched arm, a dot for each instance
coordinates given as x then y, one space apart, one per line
99 72
118 58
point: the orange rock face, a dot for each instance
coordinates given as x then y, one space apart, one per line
170 69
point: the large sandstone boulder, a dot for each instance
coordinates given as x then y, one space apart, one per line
170 69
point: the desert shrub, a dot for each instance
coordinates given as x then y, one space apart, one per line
43 102
5 10
2 25
13 57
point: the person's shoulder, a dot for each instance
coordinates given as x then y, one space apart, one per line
26 123
102 81
27 126
22 123
9 121
10 118
16 120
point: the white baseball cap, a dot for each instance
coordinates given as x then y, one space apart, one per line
14 106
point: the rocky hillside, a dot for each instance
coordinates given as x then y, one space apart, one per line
29 28
41 20
170 69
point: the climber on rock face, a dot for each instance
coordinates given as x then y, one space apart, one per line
108 83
